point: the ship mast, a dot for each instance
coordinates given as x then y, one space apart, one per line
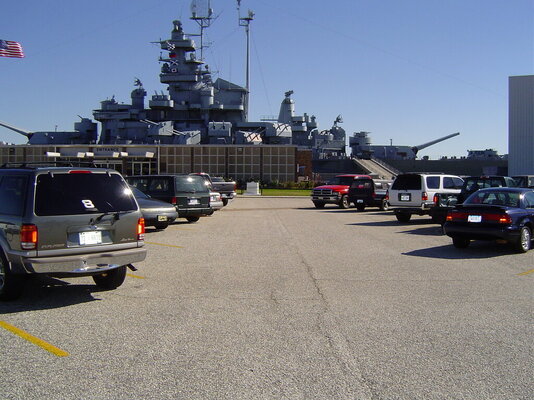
245 21
201 13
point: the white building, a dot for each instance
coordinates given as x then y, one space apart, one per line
521 125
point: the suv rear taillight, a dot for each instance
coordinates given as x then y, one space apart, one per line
435 200
424 196
387 195
28 237
141 229
173 200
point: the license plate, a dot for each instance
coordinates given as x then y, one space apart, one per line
474 218
93 237
405 197
162 218
359 201
193 202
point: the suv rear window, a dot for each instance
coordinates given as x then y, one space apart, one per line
362 184
191 183
82 193
407 182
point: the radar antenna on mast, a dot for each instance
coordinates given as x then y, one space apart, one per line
202 14
245 21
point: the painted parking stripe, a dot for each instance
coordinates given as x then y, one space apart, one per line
135 276
163 244
527 272
32 339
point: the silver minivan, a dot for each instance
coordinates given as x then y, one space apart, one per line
413 193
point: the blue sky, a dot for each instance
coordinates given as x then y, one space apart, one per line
407 71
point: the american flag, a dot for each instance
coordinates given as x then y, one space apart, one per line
8 48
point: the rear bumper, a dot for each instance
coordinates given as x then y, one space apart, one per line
79 265
422 210
475 232
228 196
194 212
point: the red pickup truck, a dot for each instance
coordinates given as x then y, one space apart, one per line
335 192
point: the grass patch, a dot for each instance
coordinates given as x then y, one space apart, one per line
282 192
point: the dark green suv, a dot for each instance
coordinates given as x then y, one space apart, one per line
65 222
188 193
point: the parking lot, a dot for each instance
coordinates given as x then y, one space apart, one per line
271 298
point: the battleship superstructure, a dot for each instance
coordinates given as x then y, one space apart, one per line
195 110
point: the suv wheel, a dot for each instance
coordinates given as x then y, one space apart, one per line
162 225
384 206
192 219
11 285
403 217
522 244
224 201
111 279
360 207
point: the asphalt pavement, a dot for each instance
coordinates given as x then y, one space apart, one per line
270 298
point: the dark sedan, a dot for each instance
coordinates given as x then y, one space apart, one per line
494 214
156 213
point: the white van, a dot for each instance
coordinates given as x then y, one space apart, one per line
414 193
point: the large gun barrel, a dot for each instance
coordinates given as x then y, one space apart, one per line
415 149
28 134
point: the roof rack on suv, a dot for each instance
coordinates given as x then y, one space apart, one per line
36 164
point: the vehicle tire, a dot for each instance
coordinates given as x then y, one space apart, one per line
318 204
192 219
384 205
11 285
403 217
111 279
161 225
225 202
360 207
344 202
460 243
523 242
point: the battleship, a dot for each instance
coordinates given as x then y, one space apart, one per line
196 110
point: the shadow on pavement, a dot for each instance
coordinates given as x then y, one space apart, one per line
43 293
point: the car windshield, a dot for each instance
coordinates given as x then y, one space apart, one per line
341 180
472 184
508 199
82 193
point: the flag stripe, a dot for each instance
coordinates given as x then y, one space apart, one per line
9 48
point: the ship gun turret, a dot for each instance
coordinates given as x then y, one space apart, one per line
415 149
23 132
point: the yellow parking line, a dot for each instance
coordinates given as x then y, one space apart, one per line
136 276
527 272
32 339
163 244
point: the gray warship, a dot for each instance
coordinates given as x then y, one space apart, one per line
195 109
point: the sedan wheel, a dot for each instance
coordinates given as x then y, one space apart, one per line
522 245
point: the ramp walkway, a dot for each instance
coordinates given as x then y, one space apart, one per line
376 168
